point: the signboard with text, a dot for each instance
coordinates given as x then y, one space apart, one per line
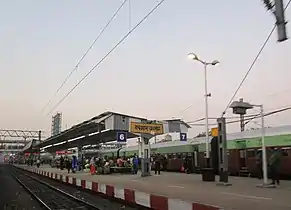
145 128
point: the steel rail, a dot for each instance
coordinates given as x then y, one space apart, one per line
82 202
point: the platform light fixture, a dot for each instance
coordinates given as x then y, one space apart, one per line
194 56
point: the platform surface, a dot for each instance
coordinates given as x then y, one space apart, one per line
242 195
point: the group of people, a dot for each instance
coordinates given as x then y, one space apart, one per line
274 162
69 164
102 165
32 161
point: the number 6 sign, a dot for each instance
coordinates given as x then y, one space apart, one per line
121 136
183 136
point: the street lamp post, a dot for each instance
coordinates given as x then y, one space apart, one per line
264 154
193 56
240 107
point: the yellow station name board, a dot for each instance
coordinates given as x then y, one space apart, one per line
155 129
214 132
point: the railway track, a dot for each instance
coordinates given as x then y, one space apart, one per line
50 197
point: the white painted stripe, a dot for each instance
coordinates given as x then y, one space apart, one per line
58 176
119 193
70 180
102 188
88 185
78 182
135 180
176 186
246 196
174 204
142 198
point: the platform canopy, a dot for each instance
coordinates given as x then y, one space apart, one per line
81 129
32 146
88 132
102 129
91 139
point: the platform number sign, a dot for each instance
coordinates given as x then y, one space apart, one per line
121 136
183 136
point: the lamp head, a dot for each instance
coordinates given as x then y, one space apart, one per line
193 56
215 62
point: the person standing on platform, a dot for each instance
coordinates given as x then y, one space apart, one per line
38 162
165 163
186 165
62 163
92 166
259 164
68 164
135 164
74 164
275 163
158 164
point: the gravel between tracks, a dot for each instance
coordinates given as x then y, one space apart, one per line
93 198
12 194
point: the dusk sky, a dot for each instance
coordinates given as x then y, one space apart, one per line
148 75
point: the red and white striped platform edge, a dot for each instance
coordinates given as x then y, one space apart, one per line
132 196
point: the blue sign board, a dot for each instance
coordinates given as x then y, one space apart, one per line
121 137
183 136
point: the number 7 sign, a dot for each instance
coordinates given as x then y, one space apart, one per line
183 136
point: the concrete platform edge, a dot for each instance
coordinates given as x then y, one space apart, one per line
129 195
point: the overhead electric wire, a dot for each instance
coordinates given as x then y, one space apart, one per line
84 55
248 118
215 118
107 54
270 113
253 63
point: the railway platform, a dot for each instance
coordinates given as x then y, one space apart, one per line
174 191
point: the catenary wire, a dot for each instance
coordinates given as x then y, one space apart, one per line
248 119
107 54
253 63
85 54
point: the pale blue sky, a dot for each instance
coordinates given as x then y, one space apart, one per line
149 74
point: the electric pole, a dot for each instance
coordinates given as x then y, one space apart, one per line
277 8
